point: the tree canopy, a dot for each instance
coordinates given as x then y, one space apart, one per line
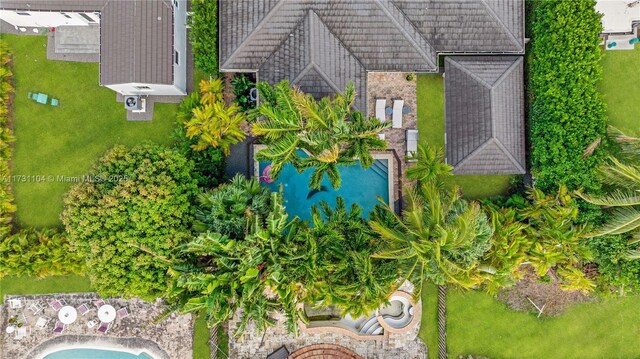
135 202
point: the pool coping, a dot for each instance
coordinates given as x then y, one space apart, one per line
391 175
135 346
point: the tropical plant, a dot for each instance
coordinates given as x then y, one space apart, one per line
558 241
139 202
429 164
227 209
7 206
344 273
218 275
212 122
39 253
440 237
203 35
624 179
329 130
567 114
208 165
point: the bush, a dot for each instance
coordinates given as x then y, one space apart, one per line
7 207
204 35
39 253
209 165
242 86
130 217
567 114
617 271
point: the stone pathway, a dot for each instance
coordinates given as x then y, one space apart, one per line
394 86
170 338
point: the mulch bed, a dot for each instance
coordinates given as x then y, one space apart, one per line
547 294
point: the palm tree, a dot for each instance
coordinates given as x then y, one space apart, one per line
429 164
212 122
625 178
328 130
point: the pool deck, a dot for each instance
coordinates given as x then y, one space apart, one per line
170 338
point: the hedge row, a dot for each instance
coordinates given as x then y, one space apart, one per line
204 35
567 113
7 207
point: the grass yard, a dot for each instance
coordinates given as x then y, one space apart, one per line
430 94
55 284
621 89
478 324
64 141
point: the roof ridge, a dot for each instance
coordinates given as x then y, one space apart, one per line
404 32
337 38
493 14
507 72
255 30
470 73
473 153
325 77
508 154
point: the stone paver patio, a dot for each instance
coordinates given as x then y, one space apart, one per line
394 86
172 337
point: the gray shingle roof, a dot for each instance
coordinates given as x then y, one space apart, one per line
484 114
380 35
134 45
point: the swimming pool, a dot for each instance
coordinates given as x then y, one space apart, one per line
94 354
359 186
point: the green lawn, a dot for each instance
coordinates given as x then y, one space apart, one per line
478 324
621 88
66 140
430 94
56 284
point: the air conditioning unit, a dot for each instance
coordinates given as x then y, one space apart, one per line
132 103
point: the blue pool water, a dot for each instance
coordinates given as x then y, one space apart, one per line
359 186
94 354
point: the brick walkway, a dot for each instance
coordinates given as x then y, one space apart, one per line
324 351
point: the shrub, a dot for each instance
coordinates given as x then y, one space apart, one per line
567 114
133 213
209 164
204 35
242 86
7 207
616 270
39 253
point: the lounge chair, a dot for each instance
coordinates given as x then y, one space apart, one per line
280 353
22 332
59 328
122 313
412 142
21 318
397 113
99 303
83 309
56 304
36 308
15 303
380 105
42 322
104 327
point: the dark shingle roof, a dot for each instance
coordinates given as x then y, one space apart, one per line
484 114
136 42
315 60
134 45
380 35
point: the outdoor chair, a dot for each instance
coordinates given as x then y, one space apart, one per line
54 102
280 353
22 332
15 303
104 327
59 328
83 309
380 105
99 303
22 319
397 113
56 304
412 142
92 323
122 313
36 308
42 322
30 94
